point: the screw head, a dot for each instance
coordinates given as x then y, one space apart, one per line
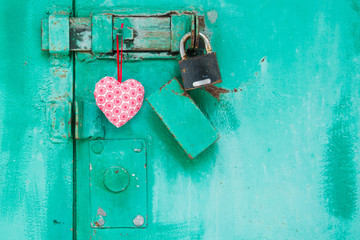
137 146
138 221
99 220
97 147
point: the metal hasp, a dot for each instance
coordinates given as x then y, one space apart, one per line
118 190
183 118
58 34
201 70
102 28
141 33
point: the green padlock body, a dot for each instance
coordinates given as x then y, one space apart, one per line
191 129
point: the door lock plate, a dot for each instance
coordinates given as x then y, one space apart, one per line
118 187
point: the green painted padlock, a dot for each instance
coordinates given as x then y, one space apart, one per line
191 129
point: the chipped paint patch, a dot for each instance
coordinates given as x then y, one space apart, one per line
107 3
264 64
212 16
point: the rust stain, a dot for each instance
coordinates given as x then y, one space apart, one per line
162 87
62 12
215 91
185 94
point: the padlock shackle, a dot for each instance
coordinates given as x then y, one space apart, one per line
187 37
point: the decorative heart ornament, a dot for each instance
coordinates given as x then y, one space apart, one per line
119 101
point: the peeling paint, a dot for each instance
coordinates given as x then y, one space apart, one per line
263 65
212 16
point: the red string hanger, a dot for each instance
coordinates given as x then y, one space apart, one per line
119 101
117 51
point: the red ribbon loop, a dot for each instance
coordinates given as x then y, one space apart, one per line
117 51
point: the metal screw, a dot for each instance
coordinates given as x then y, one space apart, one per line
137 146
138 221
99 221
97 147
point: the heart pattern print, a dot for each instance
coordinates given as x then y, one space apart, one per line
120 102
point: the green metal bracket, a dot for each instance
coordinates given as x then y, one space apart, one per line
118 189
180 25
102 33
141 33
126 32
45 34
55 37
183 118
59 41
88 127
153 33
59 118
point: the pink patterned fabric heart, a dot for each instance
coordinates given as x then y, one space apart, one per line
119 101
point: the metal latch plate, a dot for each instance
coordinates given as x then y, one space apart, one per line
159 33
118 188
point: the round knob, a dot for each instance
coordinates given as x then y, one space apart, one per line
116 179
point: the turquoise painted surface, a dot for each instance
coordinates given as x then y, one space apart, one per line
35 168
285 167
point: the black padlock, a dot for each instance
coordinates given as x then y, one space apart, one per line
201 70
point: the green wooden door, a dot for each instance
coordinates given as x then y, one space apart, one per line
287 112
36 147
